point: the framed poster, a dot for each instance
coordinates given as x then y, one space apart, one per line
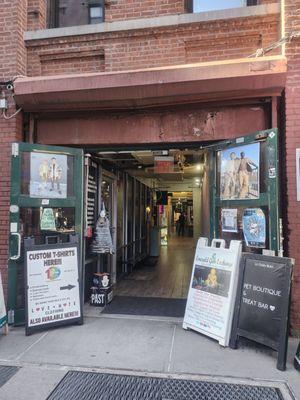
48 175
298 173
52 281
240 169
211 297
229 220
254 227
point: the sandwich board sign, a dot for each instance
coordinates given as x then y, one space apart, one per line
212 291
3 315
52 286
262 304
297 359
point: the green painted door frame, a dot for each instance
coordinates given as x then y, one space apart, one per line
19 200
269 197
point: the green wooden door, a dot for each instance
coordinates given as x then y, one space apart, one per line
46 203
244 191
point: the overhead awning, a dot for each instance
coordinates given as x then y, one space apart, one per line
201 82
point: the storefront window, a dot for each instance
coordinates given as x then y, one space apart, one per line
39 222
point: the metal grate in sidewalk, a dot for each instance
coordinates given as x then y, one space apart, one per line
78 385
6 373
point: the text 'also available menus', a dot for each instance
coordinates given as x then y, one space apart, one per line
52 286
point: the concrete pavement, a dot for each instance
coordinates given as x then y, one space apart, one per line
134 345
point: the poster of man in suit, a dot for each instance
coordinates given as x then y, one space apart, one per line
240 172
48 175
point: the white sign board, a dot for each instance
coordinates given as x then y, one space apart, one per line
212 292
3 315
52 286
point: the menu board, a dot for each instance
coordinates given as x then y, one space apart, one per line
212 289
263 302
52 295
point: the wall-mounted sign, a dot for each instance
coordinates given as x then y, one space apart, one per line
48 175
52 296
3 315
254 227
261 311
48 220
163 165
212 291
240 172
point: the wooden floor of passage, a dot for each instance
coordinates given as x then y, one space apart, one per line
169 278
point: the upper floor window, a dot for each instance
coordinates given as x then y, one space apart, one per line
210 5
62 13
95 14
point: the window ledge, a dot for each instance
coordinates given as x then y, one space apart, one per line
156 22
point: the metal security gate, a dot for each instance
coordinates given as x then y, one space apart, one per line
6 373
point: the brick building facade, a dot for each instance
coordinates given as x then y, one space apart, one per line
138 35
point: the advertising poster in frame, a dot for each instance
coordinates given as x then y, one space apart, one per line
239 175
211 296
48 175
254 227
52 280
229 220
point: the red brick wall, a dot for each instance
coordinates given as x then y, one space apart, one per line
12 63
293 142
196 42
36 14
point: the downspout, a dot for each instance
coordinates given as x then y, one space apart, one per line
282 25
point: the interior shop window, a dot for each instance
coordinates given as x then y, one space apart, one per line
210 5
64 13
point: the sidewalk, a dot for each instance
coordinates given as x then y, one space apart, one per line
130 344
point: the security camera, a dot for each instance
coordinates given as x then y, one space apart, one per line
10 86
